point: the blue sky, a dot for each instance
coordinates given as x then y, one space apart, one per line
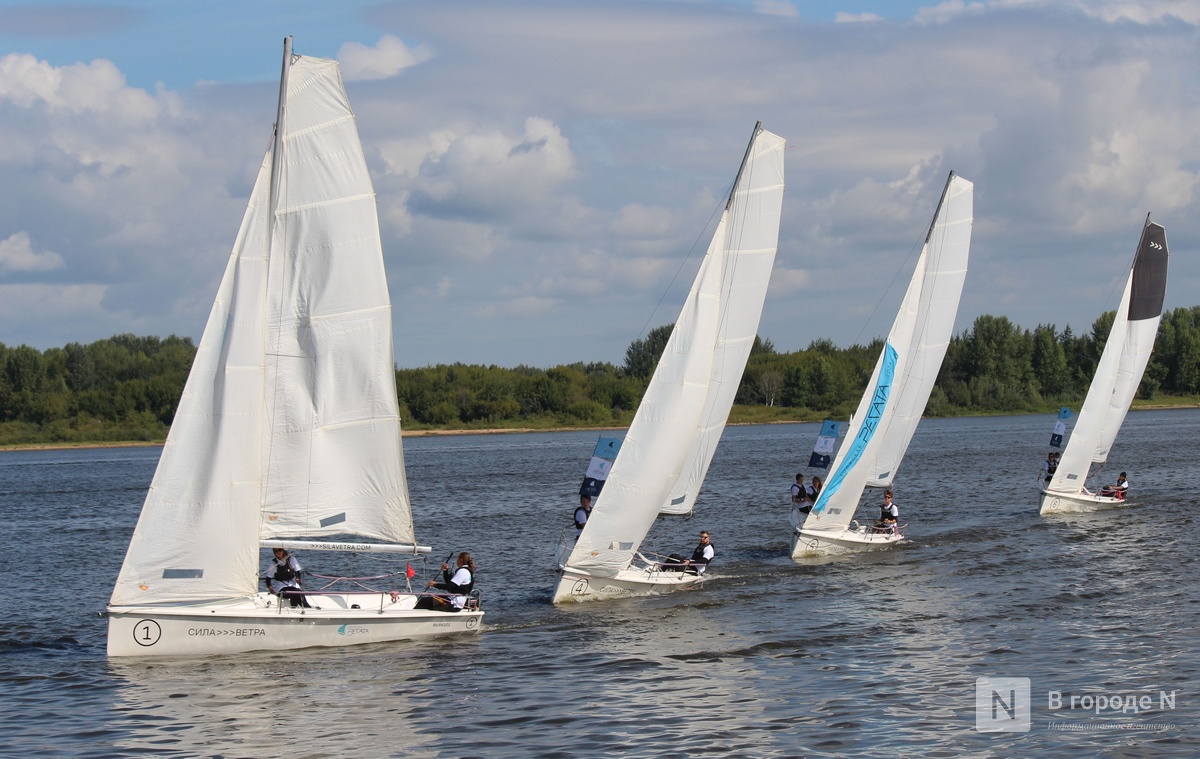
546 171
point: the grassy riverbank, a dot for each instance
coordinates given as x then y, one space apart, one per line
739 415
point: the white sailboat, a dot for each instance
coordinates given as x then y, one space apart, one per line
1118 374
670 444
288 425
895 397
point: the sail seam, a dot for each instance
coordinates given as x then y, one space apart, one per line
326 203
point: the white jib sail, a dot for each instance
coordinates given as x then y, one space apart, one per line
661 438
288 424
1122 363
751 240
904 375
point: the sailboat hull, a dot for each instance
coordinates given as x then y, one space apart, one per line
808 542
1079 503
578 586
259 624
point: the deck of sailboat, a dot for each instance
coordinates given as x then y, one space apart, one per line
1077 503
259 623
808 541
578 586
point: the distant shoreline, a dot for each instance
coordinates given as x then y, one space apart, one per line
527 430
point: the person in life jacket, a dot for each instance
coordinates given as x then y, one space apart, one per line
1116 491
455 587
1050 466
582 513
889 514
802 495
703 554
285 577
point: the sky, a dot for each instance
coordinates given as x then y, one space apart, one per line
548 173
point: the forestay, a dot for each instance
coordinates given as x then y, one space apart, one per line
899 388
683 411
288 425
1122 363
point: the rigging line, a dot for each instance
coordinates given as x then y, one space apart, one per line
903 267
1120 281
699 237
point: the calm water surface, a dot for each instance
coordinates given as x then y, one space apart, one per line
876 655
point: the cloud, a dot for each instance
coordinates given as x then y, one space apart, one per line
66 20
558 166
60 314
776 8
852 18
788 283
1109 11
481 174
389 57
17 254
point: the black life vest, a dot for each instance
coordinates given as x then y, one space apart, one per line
455 588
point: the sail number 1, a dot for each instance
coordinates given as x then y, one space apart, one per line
146 632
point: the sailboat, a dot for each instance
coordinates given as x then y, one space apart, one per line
288 426
674 434
1130 342
896 394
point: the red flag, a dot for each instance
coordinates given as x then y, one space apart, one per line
409 572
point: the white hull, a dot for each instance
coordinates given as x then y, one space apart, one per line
576 585
806 543
1079 503
258 623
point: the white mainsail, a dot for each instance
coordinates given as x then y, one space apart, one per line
896 395
1122 363
755 206
288 424
680 418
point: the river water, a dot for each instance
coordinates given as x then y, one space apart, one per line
875 655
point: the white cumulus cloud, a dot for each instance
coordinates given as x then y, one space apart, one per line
17 254
389 57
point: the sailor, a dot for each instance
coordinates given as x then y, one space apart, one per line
802 495
284 577
1049 467
889 514
456 585
1116 491
703 554
582 512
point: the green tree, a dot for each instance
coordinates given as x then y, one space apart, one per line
642 355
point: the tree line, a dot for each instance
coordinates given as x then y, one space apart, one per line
126 388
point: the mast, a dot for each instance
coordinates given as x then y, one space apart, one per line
277 139
745 159
936 211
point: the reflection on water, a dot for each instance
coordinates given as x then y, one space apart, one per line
873 655
295 703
